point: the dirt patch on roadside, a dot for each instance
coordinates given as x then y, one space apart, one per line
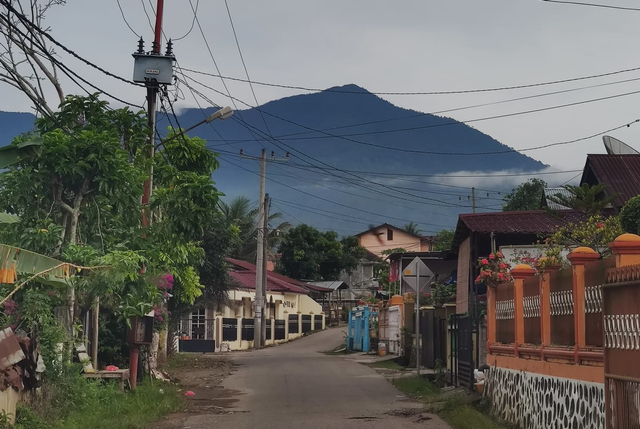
201 374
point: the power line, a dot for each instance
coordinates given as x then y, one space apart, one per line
193 21
466 91
347 137
606 6
124 18
45 34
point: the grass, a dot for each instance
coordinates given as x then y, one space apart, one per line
102 406
455 412
389 364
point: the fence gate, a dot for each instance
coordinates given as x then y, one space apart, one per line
393 317
461 350
621 314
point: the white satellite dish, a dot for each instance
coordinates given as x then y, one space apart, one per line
616 147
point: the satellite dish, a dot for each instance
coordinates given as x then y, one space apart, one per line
616 147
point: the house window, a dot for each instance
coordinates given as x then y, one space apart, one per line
389 234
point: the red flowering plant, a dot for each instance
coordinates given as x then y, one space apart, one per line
164 283
493 270
425 298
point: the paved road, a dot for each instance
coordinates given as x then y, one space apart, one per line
296 386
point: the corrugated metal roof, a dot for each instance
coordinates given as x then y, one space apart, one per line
621 174
247 280
331 285
526 222
556 191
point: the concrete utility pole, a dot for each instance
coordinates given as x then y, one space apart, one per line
259 326
418 319
473 199
265 247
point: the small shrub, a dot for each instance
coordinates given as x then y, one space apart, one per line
630 216
440 374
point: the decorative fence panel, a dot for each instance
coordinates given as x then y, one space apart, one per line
247 329
561 308
594 277
531 307
621 318
505 314
294 326
306 323
229 329
279 329
317 322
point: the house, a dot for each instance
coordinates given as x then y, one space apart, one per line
479 234
387 237
620 174
290 313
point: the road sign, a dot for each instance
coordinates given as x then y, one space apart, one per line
410 275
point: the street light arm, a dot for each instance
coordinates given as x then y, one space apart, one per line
222 114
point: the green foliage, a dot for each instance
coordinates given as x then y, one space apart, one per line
630 216
526 196
113 348
443 240
412 228
239 214
440 374
596 233
313 255
587 199
75 402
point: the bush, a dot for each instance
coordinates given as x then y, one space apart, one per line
630 216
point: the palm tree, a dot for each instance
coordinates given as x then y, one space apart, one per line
412 228
241 214
587 199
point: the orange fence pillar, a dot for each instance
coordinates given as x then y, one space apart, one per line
579 258
626 249
545 304
519 273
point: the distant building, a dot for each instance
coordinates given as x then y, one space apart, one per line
386 237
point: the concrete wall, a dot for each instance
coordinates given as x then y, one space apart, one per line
534 401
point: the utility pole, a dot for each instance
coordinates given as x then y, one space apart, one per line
259 326
265 247
418 319
260 262
473 199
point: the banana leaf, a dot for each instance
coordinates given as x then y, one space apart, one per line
16 262
8 218
12 154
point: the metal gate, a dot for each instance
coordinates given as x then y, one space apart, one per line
433 330
621 314
393 316
461 350
358 328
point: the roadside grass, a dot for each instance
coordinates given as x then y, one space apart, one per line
454 411
103 406
389 364
177 360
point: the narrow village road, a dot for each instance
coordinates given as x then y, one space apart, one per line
295 385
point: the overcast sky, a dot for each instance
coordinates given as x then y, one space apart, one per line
422 45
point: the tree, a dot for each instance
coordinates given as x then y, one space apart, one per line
630 216
587 199
443 240
27 62
313 255
526 196
412 228
240 214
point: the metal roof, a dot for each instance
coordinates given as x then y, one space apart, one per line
333 285
555 191
620 173
247 280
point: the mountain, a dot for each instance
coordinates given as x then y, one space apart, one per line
306 187
13 124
